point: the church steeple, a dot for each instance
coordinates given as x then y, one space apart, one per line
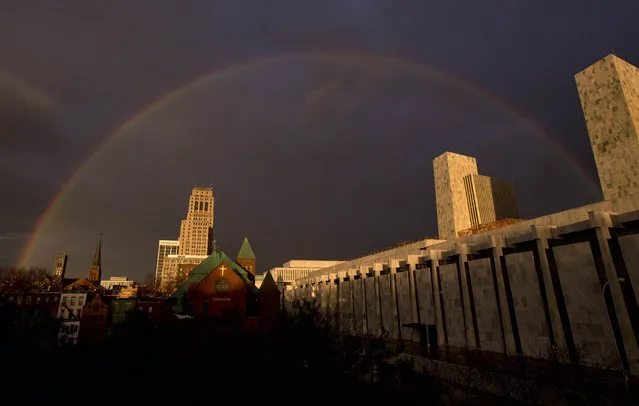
246 257
95 273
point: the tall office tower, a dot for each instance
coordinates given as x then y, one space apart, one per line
467 200
450 192
489 199
196 229
609 93
60 265
165 248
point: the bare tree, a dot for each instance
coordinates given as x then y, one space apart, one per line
23 279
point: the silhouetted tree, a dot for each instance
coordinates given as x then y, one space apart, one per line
23 279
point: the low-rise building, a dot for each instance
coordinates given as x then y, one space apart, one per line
35 304
157 310
115 281
94 320
298 268
120 308
70 314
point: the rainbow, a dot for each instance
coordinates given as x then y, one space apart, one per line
134 121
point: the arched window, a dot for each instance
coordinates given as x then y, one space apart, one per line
222 286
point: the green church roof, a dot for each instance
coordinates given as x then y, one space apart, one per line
206 267
246 252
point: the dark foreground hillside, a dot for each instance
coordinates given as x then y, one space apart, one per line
198 362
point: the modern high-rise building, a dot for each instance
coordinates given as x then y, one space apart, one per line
450 192
196 229
165 248
60 265
489 199
609 93
467 200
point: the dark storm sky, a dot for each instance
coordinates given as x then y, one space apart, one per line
323 152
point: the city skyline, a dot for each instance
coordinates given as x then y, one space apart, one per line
311 137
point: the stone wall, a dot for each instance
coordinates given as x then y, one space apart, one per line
548 285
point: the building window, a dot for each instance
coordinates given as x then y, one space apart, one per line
64 300
19 301
37 299
28 300
11 298
55 299
73 301
80 301
222 286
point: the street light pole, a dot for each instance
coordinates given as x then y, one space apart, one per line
603 295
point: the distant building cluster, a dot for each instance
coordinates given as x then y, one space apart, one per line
177 258
86 308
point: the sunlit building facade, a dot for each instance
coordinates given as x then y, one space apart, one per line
196 229
296 268
165 248
60 265
467 200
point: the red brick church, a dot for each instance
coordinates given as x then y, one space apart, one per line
221 286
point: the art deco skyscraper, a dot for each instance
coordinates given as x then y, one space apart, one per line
609 93
465 199
196 229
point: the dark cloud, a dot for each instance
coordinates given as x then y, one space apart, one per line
26 121
310 157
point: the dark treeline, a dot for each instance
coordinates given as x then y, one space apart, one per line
201 360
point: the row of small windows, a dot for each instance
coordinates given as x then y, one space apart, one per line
72 301
28 299
201 206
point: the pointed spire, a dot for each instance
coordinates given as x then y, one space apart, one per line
97 258
246 252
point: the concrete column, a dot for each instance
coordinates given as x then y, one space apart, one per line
462 259
395 308
542 235
412 260
437 296
602 222
507 327
377 268
363 271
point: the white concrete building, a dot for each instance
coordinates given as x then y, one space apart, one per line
69 313
114 281
258 280
298 268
